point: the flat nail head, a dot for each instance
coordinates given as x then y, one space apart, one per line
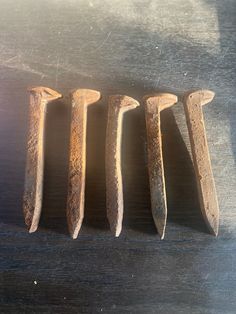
161 100
86 96
202 97
46 93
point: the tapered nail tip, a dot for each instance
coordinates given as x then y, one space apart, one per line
117 233
116 230
32 229
31 226
214 229
215 233
161 232
74 235
160 223
162 236
161 227
75 229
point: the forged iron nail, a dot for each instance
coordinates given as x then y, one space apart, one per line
32 200
193 103
154 104
117 106
81 99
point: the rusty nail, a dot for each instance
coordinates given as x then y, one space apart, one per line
117 106
81 99
32 200
154 104
193 103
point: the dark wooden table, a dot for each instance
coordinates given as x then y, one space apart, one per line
134 48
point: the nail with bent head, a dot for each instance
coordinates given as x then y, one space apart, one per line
154 104
81 99
32 200
193 102
117 106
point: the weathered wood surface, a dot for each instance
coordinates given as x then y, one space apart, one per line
133 48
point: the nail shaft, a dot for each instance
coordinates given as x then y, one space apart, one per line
32 201
81 99
201 158
153 107
117 106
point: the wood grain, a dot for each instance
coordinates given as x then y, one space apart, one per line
134 48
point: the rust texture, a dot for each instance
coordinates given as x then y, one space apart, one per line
154 104
117 106
202 164
81 99
32 200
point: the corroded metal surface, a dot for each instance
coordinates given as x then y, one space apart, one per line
154 104
201 158
32 202
118 105
81 99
